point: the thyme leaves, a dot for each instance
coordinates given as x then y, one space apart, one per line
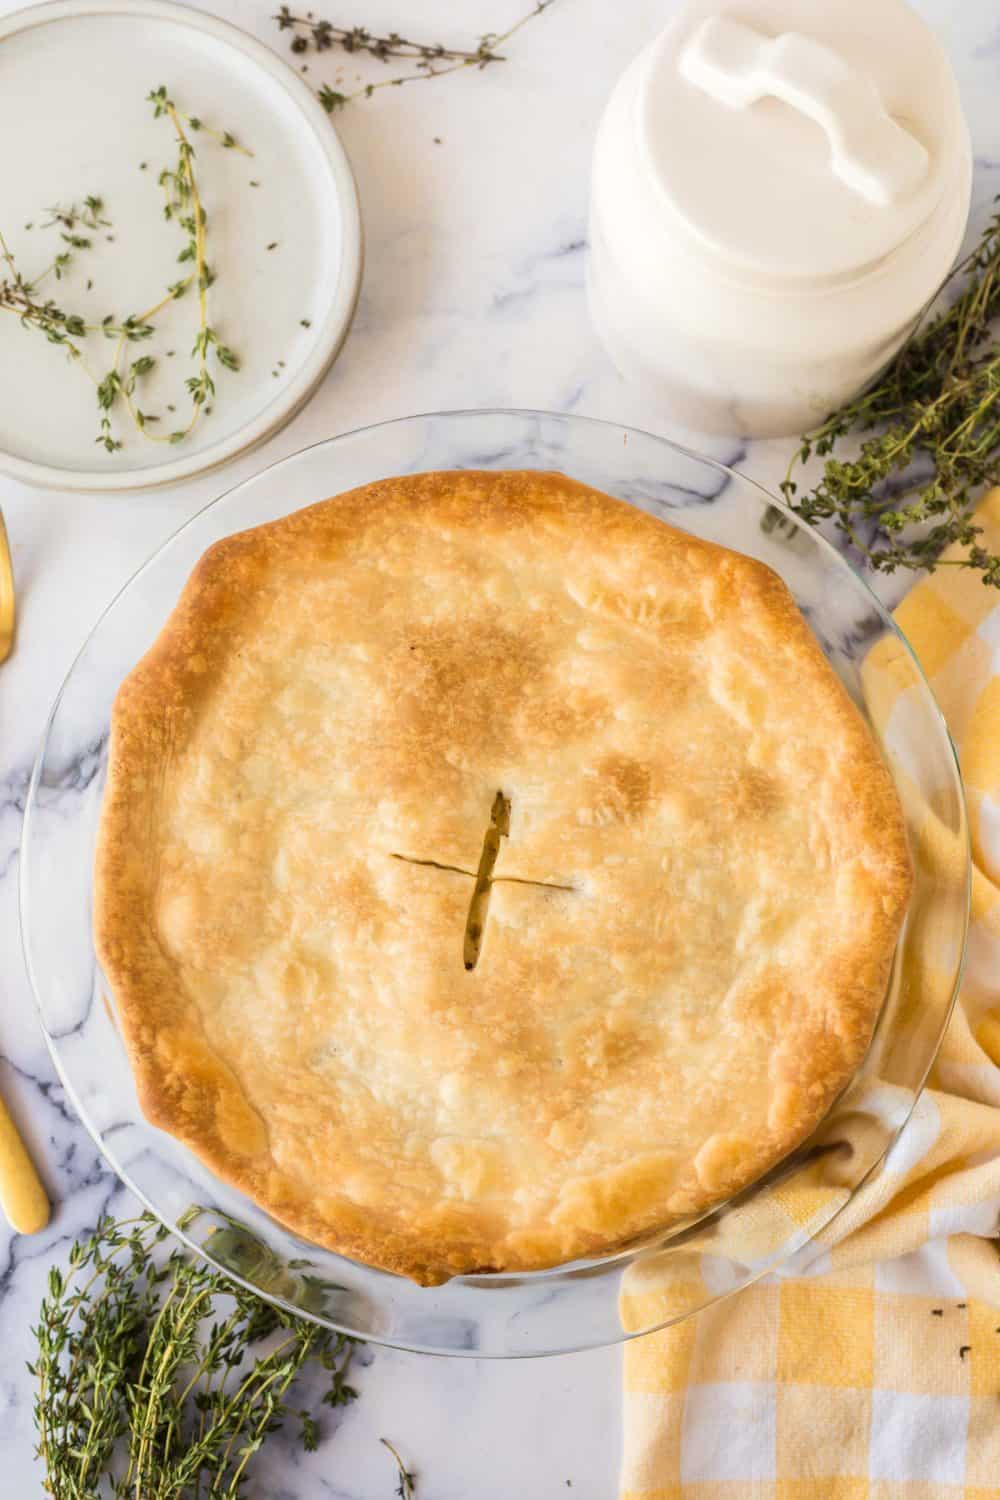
428 59
157 1375
22 295
930 438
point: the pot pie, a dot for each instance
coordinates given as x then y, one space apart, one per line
489 874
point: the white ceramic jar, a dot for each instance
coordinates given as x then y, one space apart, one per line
779 188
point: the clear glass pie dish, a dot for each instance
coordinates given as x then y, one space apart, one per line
775 1223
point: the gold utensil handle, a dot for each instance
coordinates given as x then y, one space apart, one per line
6 595
21 1192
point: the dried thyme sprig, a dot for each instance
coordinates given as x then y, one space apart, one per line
911 491
431 59
322 36
159 1377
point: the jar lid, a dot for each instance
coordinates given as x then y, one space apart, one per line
800 137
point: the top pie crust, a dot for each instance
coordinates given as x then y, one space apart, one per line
357 682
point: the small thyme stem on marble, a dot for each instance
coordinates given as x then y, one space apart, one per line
407 1486
428 57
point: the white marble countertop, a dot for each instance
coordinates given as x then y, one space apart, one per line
473 296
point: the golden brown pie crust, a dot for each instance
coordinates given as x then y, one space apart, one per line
356 683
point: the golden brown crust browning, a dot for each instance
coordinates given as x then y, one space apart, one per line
356 682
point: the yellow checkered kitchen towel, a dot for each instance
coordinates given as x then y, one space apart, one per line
876 1375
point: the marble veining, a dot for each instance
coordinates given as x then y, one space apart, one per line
473 296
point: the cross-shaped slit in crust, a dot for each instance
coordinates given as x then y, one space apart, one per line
485 880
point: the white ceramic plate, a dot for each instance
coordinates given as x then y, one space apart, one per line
74 76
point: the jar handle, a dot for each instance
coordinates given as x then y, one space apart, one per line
870 152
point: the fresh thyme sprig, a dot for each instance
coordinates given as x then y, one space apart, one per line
431 59
182 204
165 106
159 1377
935 415
20 296
119 384
90 215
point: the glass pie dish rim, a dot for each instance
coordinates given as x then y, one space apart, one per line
566 1271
